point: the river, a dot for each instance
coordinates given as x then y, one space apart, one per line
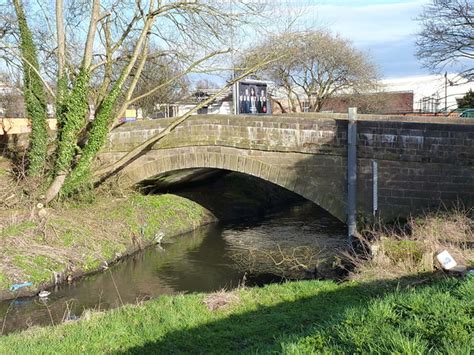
222 255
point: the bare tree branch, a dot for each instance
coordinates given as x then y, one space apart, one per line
89 47
447 36
106 172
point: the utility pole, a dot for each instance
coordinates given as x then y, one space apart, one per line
446 92
235 91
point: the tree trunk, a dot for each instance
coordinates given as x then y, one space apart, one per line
280 105
35 96
81 173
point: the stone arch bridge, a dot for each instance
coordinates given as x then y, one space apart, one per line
422 162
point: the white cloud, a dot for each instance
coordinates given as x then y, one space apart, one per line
369 23
385 29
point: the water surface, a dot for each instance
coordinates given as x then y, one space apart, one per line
205 260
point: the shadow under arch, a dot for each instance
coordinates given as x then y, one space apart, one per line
298 173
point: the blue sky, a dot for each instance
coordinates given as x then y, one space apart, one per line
385 29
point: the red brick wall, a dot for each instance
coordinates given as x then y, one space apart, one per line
382 103
387 102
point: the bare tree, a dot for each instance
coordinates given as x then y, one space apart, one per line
206 84
11 97
317 65
99 52
447 36
158 70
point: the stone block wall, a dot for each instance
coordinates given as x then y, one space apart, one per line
422 163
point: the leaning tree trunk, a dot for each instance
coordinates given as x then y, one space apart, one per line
71 106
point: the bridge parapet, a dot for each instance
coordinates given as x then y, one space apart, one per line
438 141
422 162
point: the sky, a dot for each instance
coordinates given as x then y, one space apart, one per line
385 29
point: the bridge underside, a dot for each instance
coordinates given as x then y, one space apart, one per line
318 178
178 178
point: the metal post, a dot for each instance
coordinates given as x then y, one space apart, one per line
375 188
235 98
351 174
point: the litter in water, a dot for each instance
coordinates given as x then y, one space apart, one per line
15 287
44 294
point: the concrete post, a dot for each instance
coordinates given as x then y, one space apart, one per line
351 174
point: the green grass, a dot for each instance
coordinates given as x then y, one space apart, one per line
294 318
402 250
37 269
17 229
4 282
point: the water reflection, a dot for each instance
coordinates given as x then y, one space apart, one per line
201 261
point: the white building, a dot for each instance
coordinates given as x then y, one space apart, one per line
431 93
222 104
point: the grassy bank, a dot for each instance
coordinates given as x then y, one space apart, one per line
409 249
296 318
78 239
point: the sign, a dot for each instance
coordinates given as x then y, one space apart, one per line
252 98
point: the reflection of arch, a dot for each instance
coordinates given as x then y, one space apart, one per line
307 180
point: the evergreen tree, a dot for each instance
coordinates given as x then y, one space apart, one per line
467 101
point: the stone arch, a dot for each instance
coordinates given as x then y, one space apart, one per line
262 165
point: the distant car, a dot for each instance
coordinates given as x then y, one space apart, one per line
469 113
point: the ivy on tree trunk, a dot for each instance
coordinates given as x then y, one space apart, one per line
35 96
72 118
80 176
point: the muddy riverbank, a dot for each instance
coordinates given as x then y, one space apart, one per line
74 241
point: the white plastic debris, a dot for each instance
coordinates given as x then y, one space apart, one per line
44 294
446 260
158 237
105 265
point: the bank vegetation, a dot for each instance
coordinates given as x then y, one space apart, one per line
391 251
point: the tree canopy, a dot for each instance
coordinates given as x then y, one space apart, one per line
467 101
316 66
